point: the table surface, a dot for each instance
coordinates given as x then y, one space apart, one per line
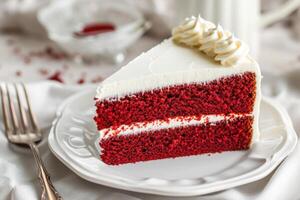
25 58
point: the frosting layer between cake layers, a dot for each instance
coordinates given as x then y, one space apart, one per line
139 127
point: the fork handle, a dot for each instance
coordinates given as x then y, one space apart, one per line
48 190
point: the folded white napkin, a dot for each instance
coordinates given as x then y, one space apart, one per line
18 177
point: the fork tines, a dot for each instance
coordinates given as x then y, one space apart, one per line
18 118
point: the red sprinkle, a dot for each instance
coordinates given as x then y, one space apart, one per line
56 77
95 29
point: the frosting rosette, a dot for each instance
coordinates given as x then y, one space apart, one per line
213 40
191 31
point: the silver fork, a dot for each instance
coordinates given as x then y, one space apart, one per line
21 128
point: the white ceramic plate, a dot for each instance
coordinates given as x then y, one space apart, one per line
73 135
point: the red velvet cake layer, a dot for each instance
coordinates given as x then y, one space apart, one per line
228 135
234 94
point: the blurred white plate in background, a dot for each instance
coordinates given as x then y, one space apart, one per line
62 18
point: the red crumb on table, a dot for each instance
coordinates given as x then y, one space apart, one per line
27 60
81 81
43 72
55 54
95 29
98 79
18 73
56 77
48 52
16 50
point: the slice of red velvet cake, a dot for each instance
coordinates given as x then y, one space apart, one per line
196 93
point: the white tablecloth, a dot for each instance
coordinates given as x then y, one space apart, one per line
18 180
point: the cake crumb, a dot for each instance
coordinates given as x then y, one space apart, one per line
98 79
47 52
81 81
50 52
16 50
27 60
56 77
18 73
43 72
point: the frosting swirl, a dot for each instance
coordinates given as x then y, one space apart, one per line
191 31
218 44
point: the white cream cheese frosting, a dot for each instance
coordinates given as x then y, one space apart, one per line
165 65
213 40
